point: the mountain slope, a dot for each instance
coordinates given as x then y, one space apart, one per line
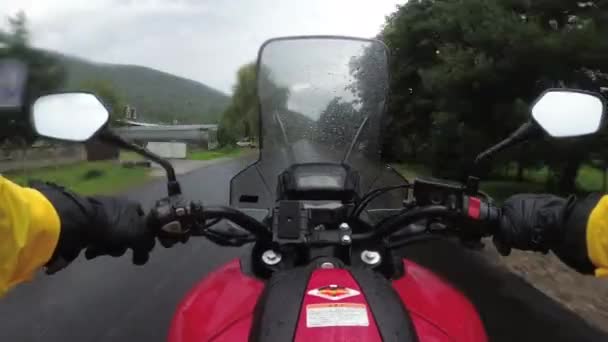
157 96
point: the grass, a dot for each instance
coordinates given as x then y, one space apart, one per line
130 156
214 154
113 177
588 179
193 154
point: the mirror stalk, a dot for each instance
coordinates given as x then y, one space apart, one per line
173 186
526 131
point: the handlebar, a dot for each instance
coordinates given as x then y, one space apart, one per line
480 212
393 223
187 218
174 217
245 221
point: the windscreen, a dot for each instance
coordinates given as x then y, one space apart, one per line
321 101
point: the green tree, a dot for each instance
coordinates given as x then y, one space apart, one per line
462 70
240 119
338 124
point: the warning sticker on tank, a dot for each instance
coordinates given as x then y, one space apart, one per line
336 315
334 292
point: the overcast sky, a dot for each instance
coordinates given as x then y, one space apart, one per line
205 40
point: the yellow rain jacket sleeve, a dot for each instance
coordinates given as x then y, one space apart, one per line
29 232
597 237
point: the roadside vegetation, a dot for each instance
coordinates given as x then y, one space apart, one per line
501 186
194 153
102 177
108 177
130 156
224 152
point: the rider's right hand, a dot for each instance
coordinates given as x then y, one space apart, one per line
575 230
529 222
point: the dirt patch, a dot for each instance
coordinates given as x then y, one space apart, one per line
585 295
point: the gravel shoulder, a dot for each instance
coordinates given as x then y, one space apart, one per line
586 295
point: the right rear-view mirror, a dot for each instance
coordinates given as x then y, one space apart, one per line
69 116
568 112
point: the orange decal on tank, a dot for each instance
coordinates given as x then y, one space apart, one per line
334 292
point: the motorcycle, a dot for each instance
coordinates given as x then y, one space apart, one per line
321 215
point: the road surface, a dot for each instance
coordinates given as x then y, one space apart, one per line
109 299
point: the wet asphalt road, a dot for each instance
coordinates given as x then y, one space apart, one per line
109 299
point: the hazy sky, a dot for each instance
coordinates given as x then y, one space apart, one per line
205 40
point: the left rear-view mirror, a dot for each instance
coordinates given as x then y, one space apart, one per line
69 116
569 113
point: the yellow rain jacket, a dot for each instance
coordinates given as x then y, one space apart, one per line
597 237
29 232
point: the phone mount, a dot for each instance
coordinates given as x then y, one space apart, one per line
173 187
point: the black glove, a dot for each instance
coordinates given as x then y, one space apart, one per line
546 222
103 225
124 227
530 222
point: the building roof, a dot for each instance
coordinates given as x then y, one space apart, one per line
152 126
137 123
166 128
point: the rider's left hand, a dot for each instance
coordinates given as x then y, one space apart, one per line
122 226
102 225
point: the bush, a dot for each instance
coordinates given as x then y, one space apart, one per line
92 174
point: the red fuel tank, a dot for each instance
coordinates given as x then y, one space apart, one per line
438 309
334 308
219 308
